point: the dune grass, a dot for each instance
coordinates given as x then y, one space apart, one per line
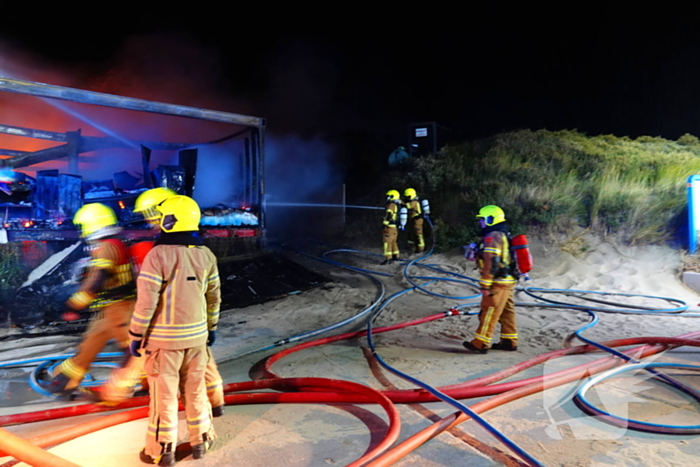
558 182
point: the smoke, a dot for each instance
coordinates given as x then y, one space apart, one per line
300 171
304 171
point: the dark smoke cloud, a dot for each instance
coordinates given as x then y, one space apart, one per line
302 77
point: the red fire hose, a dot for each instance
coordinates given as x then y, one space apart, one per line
27 452
347 392
291 384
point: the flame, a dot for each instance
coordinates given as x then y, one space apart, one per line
27 223
121 204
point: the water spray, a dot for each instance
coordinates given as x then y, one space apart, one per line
319 205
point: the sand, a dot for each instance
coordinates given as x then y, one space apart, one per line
549 426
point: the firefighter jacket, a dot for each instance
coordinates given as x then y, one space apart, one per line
414 209
108 277
391 215
493 258
179 294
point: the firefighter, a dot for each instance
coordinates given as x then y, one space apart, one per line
108 290
497 284
117 389
416 240
146 205
390 233
175 319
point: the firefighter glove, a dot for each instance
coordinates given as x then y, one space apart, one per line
470 251
134 348
212 338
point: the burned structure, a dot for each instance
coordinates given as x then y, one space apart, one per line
225 175
40 208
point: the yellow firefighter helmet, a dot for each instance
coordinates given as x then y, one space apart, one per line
179 214
149 199
410 193
392 195
492 215
96 220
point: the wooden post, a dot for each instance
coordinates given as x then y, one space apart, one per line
73 149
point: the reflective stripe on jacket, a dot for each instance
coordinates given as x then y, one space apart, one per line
179 294
414 209
493 255
108 277
391 214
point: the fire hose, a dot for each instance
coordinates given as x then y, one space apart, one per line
504 392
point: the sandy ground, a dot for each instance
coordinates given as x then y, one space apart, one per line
549 426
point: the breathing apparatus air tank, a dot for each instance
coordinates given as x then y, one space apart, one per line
520 246
403 217
425 205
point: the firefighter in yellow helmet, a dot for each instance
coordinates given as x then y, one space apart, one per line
497 284
146 204
416 240
148 200
108 291
175 319
390 233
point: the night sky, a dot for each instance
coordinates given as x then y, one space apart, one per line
357 78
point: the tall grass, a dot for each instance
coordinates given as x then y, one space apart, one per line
557 181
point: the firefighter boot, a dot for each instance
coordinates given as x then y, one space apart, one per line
505 344
199 450
57 386
167 457
474 349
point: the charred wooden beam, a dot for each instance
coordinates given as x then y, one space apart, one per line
36 157
82 145
108 100
145 162
73 144
110 142
12 152
32 133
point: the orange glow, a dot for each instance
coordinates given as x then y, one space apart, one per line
121 204
27 223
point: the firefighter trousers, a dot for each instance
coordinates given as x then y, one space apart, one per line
391 245
111 322
122 382
497 308
167 371
416 239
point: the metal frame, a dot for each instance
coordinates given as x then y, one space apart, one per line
75 143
